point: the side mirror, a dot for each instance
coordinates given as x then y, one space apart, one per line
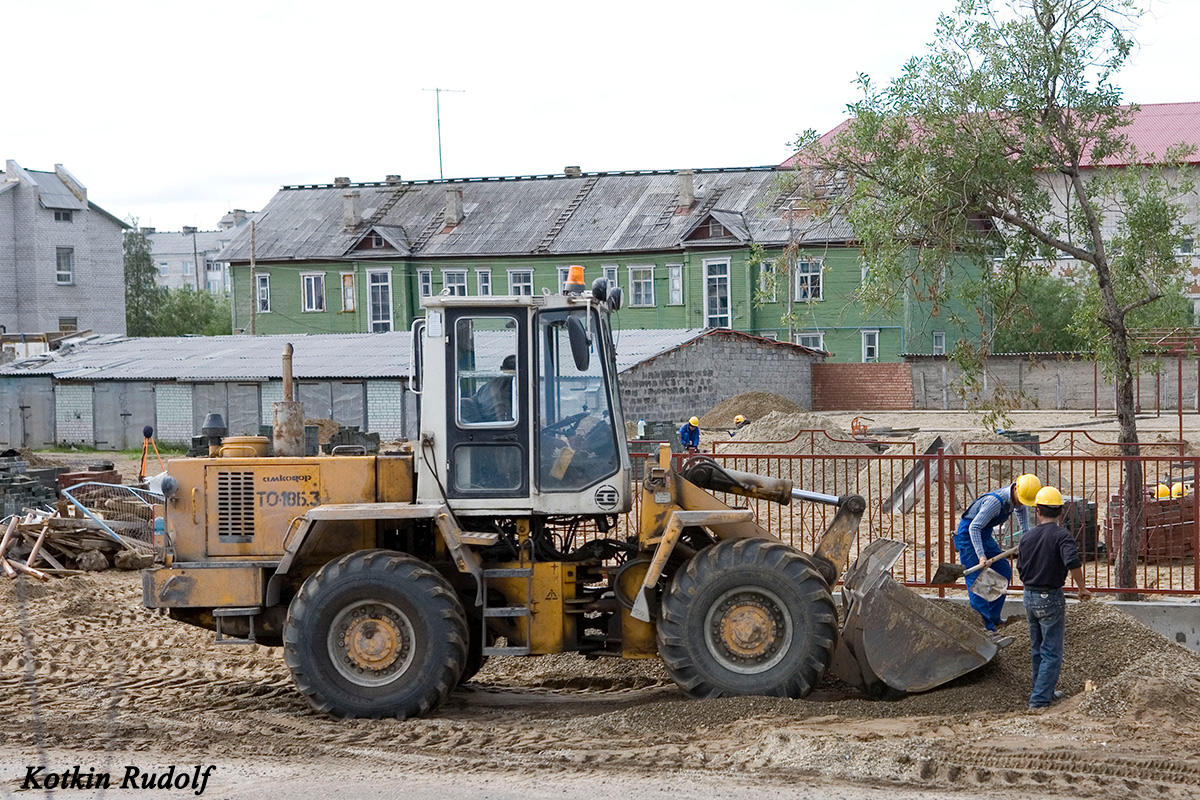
615 296
580 349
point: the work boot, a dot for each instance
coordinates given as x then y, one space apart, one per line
998 639
1058 695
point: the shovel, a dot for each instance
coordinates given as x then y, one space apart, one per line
950 573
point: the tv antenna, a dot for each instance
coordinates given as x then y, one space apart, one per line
437 93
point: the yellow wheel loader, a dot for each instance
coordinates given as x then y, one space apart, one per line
389 579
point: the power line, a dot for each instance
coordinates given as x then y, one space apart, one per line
437 93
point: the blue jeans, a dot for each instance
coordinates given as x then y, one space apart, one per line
990 611
1046 612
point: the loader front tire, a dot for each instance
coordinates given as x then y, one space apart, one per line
376 633
747 617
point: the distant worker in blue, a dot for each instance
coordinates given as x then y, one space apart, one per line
689 435
975 537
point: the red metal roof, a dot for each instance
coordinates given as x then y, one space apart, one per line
1156 127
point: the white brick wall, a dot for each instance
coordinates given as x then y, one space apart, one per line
173 409
31 300
385 400
272 393
73 414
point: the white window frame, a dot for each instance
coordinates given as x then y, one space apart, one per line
870 346
349 299
483 282
189 267
64 255
525 277
455 281
939 343
768 280
164 268
803 280
425 283
262 292
819 336
644 283
306 296
610 273
563 274
674 284
708 264
62 215
378 324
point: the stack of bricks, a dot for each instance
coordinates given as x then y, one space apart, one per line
19 490
1166 534
105 474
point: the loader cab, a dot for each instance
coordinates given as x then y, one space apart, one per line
519 408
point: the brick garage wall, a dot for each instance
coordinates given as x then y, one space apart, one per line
874 387
693 378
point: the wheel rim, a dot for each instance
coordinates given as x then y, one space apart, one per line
748 630
371 643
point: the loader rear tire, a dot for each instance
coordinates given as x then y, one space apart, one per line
376 633
747 617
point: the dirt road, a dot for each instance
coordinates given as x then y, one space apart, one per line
111 683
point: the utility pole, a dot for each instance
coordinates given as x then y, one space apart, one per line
437 94
196 260
253 282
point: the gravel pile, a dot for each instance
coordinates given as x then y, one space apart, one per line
1134 672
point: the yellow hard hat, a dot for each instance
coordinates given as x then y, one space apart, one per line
1049 496
1177 489
1162 491
739 419
1028 486
694 422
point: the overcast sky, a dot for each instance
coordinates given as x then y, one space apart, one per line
174 113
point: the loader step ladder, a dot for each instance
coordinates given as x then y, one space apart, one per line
221 613
491 612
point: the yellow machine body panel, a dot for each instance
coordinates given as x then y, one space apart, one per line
206 587
243 508
551 628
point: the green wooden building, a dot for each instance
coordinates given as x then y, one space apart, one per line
690 248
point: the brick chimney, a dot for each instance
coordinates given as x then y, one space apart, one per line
188 230
350 209
687 190
394 180
573 172
341 183
239 216
454 206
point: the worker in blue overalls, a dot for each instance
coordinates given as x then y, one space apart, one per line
689 435
974 536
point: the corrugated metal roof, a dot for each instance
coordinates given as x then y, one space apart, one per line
594 213
221 358
53 193
225 358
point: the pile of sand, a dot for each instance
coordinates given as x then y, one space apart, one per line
751 405
326 428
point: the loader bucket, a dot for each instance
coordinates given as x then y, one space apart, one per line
895 641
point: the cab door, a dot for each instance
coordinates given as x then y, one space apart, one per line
488 403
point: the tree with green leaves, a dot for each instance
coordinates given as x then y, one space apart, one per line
143 295
191 312
975 172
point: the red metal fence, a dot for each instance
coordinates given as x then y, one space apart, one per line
918 498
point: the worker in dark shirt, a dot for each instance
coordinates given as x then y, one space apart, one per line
689 435
1048 553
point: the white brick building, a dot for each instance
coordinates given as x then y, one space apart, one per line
188 257
61 260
